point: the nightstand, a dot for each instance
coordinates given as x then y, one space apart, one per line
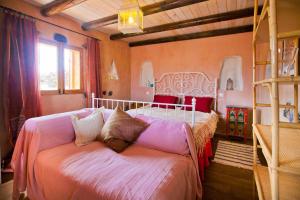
237 121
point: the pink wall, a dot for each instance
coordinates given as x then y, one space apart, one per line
205 55
110 50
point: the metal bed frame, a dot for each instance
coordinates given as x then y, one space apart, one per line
178 84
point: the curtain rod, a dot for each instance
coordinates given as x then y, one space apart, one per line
41 20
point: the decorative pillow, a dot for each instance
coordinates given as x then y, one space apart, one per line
203 104
164 135
165 99
89 128
120 130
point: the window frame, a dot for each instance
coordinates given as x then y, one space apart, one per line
77 91
60 69
51 92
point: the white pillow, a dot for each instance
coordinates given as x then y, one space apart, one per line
87 129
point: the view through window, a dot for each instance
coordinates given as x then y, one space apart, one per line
59 67
48 66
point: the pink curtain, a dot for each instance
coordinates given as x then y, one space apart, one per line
93 76
20 84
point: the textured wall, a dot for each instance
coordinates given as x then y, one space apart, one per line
205 55
117 50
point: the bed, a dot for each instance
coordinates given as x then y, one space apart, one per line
48 165
180 84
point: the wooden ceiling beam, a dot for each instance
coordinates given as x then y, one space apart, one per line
57 6
248 12
147 10
205 34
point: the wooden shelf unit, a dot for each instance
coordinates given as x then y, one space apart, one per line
280 142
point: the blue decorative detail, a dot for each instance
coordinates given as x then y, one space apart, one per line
60 38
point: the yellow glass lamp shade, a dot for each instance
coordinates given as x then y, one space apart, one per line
130 17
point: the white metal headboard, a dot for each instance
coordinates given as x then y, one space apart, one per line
187 84
176 84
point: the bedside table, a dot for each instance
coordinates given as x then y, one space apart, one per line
237 121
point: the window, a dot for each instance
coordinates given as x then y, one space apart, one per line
60 68
48 66
72 69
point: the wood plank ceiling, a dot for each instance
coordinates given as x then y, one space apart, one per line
164 26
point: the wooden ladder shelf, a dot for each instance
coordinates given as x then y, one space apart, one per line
280 141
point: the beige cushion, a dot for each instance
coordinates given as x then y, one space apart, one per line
120 130
87 129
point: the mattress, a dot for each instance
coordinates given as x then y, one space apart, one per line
174 114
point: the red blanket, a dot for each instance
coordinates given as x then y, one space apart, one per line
203 159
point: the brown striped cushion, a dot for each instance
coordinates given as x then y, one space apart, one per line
120 130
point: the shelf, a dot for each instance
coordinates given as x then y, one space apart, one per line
289 148
269 105
288 34
286 80
288 184
289 125
268 62
263 63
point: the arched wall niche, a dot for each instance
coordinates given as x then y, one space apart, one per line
146 76
231 76
113 72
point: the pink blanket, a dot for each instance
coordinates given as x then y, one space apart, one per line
36 135
50 166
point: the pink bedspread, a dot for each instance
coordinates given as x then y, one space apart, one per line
96 172
50 166
36 135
